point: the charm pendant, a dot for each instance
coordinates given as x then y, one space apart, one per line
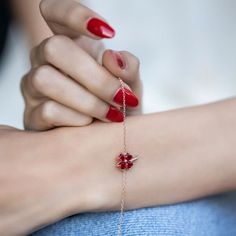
125 161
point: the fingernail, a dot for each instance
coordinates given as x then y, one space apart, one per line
114 115
131 99
119 59
100 28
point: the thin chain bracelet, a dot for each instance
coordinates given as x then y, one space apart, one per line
124 162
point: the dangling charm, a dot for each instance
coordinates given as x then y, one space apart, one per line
125 161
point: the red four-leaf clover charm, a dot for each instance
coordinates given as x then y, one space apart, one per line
125 161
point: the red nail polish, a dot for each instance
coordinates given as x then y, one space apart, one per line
131 99
100 28
120 60
114 115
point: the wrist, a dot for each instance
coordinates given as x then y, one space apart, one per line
27 200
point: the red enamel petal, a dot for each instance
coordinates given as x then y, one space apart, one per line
121 157
122 165
128 156
129 165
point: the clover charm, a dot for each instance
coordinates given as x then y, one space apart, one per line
125 161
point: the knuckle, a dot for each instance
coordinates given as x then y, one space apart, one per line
48 112
24 89
40 77
26 119
52 45
86 120
23 84
49 49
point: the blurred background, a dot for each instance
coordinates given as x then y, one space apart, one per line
187 50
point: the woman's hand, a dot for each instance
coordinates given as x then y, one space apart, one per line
66 85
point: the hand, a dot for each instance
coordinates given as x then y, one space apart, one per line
66 86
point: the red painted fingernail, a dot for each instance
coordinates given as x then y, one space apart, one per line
131 99
119 59
114 115
100 28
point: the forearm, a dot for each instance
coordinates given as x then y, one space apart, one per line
33 193
183 154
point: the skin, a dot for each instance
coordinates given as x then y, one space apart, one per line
47 173
54 177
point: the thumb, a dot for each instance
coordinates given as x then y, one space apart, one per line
123 65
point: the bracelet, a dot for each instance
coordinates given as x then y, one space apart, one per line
123 162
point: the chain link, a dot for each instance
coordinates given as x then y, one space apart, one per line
123 188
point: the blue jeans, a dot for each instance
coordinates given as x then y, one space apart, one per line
213 216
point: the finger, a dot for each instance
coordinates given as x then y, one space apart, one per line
49 82
95 48
51 114
96 51
72 19
124 65
83 68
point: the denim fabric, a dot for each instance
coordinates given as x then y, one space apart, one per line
213 216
